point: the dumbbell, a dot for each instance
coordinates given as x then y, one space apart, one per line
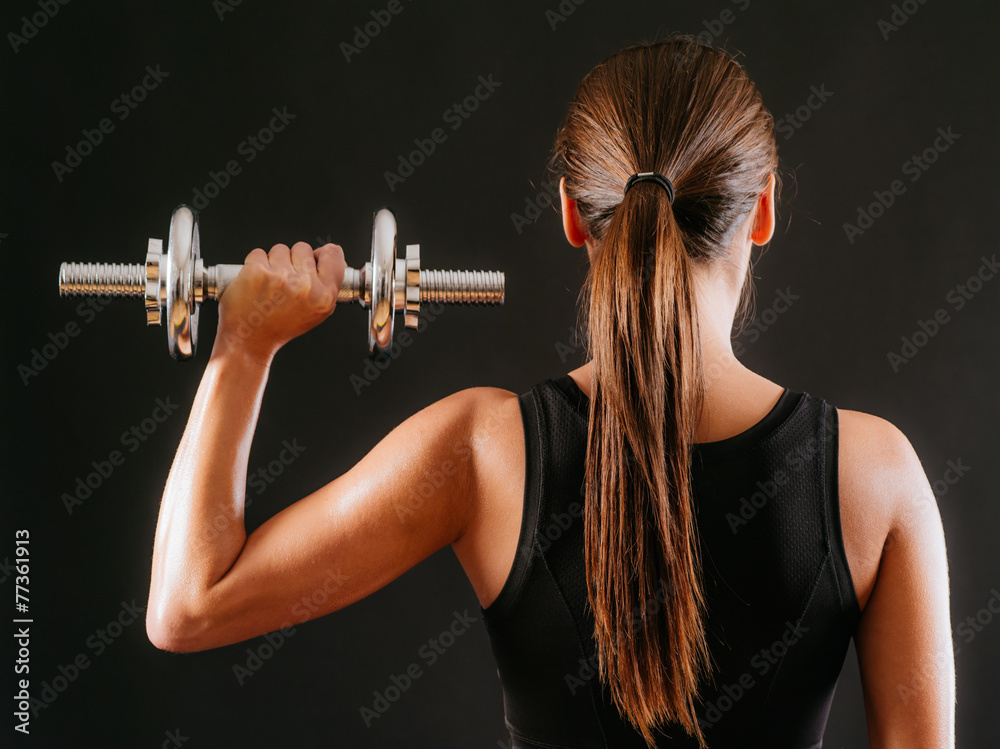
175 284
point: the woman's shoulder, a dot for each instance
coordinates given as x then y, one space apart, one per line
480 415
496 438
496 460
879 458
882 486
893 526
473 436
484 424
470 412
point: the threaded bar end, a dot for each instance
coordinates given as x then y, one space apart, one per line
462 286
102 279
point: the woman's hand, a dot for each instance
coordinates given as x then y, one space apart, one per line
277 296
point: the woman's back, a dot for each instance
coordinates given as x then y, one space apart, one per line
781 606
792 536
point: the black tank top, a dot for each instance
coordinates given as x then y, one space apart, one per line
781 603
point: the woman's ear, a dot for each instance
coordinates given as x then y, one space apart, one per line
763 223
572 224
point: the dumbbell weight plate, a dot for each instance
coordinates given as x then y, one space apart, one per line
382 308
183 257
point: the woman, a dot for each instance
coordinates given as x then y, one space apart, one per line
685 548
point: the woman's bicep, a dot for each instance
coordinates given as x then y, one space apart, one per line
407 498
904 640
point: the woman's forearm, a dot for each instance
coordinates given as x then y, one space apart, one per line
200 531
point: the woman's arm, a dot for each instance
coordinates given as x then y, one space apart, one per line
211 584
904 642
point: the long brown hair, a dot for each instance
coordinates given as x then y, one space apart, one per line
688 111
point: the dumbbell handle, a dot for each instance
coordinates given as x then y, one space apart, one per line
129 280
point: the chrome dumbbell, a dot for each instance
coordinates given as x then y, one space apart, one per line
175 283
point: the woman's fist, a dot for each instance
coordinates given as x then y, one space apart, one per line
277 296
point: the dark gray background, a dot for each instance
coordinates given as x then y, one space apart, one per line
322 178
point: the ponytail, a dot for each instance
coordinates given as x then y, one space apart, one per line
684 109
642 560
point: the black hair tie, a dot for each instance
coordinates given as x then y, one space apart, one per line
656 177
